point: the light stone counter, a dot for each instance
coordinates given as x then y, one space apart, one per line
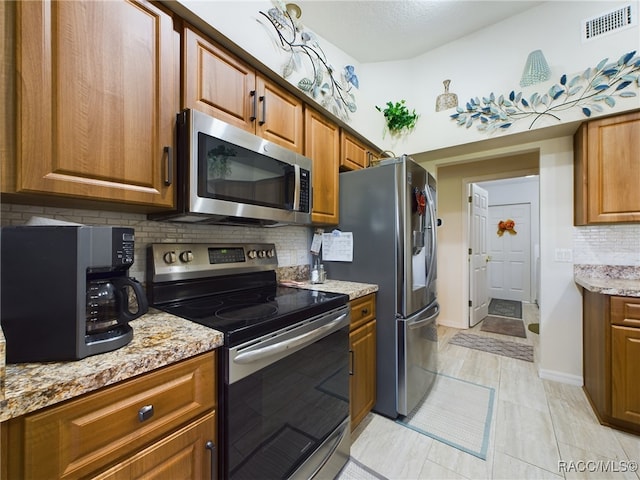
353 289
159 339
2 367
609 279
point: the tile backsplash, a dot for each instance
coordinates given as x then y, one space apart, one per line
607 245
292 242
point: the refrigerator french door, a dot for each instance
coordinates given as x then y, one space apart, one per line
390 209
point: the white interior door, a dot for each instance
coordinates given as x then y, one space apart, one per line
510 254
478 291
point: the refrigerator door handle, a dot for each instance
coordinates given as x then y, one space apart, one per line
432 230
419 322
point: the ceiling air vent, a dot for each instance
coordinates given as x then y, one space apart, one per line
609 22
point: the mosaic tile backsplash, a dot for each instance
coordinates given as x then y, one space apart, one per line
607 245
292 242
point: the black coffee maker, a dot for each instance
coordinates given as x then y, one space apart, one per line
65 292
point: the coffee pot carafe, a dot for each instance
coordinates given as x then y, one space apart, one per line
109 301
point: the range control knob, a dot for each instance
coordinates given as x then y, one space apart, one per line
170 257
262 253
271 253
186 256
252 254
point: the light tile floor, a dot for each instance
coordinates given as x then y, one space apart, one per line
540 428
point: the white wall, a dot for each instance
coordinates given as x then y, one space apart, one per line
490 60
561 300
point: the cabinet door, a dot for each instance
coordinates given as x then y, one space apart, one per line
97 100
322 146
354 155
625 371
217 83
280 117
186 454
611 168
362 344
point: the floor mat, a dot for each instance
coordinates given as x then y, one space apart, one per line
455 412
354 470
504 326
505 308
505 348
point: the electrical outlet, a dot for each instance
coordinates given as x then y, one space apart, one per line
564 255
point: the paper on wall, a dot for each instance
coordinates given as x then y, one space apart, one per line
337 246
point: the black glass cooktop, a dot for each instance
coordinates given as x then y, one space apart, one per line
248 314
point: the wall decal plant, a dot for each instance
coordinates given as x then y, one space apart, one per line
334 94
588 91
398 118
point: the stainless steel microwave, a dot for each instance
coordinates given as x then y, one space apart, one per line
228 175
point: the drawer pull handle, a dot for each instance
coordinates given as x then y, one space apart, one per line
212 448
365 311
145 413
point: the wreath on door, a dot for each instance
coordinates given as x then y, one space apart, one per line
507 225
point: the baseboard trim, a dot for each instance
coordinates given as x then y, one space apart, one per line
576 380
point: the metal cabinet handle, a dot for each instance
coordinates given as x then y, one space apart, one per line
365 311
254 111
352 362
168 174
212 448
145 413
264 110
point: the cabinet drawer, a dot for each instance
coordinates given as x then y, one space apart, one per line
183 454
86 434
363 309
625 311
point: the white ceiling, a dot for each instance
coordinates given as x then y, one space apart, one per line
386 30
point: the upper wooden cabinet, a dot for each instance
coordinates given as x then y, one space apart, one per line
354 154
607 170
221 85
322 146
97 98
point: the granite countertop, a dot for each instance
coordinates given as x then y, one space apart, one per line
159 339
353 289
609 279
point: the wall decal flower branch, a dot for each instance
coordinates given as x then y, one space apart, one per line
334 94
589 91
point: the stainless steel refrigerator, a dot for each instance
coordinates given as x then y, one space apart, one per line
391 211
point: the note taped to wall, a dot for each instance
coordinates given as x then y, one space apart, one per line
337 247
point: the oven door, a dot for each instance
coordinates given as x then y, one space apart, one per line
286 402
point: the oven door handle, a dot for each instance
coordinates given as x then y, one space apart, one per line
300 340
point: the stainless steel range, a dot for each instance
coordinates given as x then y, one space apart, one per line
283 372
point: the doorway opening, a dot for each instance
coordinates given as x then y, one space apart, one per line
504 242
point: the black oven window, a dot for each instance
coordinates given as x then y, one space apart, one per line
278 415
233 173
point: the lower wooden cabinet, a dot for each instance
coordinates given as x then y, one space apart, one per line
625 372
362 345
611 350
186 454
153 425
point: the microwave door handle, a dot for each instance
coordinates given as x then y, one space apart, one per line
296 189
